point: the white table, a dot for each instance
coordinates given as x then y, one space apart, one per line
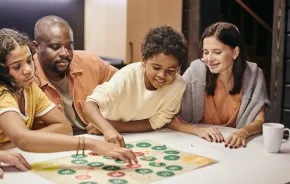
245 165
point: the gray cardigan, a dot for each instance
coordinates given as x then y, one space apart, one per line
254 94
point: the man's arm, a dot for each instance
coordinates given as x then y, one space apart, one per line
55 122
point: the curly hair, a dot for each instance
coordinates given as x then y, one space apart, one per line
166 40
229 35
9 40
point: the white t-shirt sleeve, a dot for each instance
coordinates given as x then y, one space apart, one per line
106 94
166 114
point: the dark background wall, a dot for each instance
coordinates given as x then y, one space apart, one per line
286 85
23 14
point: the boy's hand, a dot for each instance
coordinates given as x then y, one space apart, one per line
114 137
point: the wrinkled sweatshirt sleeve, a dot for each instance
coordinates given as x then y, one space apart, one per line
166 114
105 95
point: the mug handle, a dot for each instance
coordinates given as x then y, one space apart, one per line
287 129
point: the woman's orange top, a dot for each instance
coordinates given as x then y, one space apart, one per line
222 108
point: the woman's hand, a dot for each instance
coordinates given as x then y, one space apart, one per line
211 134
14 159
237 139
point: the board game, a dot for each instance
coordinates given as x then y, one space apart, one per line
156 162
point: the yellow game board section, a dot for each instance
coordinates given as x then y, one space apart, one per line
197 160
45 166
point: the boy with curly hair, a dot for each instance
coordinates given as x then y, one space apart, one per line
142 96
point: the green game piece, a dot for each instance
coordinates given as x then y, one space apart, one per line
118 181
148 158
79 156
88 182
119 161
171 157
159 147
156 164
174 168
143 145
144 171
106 157
129 146
171 152
95 164
165 173
111 168
80 161
66 171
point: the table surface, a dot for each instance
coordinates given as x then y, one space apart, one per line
244 165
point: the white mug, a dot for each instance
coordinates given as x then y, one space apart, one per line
273 135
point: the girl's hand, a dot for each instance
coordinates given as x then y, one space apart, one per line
211 134
114 151
14 159
237 139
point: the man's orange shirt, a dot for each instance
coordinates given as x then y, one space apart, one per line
86 71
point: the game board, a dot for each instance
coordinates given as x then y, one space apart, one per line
156 162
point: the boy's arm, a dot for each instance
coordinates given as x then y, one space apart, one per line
132 126
180 125
124 127
93 116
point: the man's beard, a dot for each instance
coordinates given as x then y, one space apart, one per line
61 72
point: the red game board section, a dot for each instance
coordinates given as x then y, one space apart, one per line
138 154
116 174
133 165
83 177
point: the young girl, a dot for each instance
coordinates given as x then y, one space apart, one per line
224 89
142 96
21 101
